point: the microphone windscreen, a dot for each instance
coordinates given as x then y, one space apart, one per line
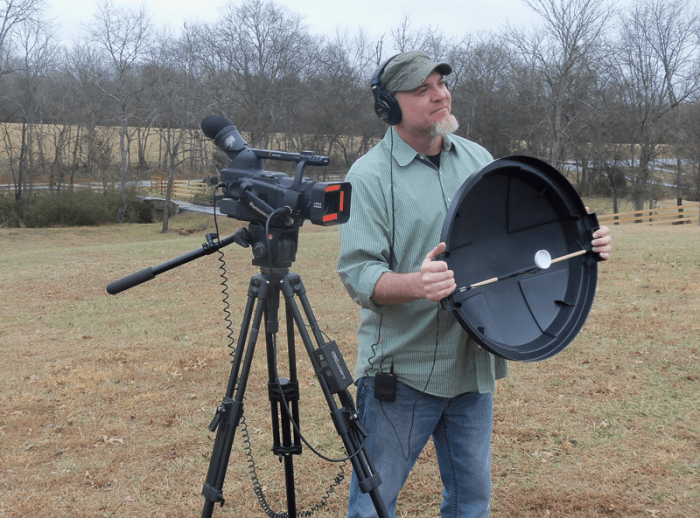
213 124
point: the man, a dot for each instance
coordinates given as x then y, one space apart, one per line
419 374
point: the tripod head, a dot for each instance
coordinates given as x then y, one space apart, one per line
274 247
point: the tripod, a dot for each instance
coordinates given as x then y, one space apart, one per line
334 378
274 251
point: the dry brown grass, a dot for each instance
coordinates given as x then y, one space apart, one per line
107 399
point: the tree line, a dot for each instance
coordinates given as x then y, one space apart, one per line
611 95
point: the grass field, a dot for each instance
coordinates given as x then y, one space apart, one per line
106 399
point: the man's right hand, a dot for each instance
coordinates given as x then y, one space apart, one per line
437 279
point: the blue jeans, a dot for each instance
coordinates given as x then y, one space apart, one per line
461 428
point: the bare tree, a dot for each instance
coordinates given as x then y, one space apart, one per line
125 36
253 56
482 85
27 98
672 29
652 79
563 53
334 116
176 108
428 39
13 15
603 146
86 107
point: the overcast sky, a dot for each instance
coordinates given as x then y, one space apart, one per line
454 17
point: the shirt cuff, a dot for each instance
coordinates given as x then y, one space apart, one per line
368 282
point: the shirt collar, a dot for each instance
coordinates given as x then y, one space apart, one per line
405 154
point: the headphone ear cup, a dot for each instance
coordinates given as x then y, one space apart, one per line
387 108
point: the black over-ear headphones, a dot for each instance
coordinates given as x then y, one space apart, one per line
385 104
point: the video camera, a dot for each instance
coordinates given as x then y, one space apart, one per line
251 194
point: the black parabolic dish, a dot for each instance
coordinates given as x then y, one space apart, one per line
499 219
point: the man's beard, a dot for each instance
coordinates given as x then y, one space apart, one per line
445 127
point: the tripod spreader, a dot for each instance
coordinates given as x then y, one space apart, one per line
285 392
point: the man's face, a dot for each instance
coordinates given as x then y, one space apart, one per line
425 106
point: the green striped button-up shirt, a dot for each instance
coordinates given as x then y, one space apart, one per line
429 349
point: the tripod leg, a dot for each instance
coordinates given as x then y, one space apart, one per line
283 391
229 413
351 431
291 348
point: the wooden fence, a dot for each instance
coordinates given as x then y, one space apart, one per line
44 183
686 214
189 189
181 188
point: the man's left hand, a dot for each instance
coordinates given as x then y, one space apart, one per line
602 242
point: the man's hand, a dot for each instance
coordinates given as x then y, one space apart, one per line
602 242
437 279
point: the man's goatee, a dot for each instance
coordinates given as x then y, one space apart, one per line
446 126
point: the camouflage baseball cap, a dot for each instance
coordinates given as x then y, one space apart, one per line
409 70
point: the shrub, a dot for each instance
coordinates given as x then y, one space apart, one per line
10 211
66 208
137 211
83 208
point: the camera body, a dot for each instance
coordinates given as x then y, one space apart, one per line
254 195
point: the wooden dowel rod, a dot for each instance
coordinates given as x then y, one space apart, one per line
484 283
495 279
568 256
